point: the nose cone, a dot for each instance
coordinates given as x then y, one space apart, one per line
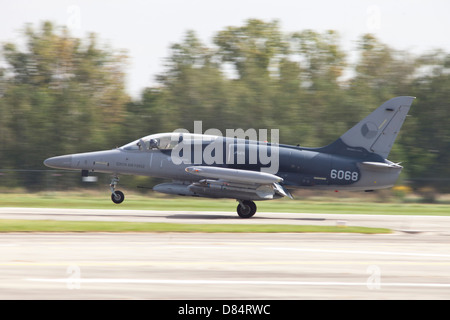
61 162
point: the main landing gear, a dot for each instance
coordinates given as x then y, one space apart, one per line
246 209
116 196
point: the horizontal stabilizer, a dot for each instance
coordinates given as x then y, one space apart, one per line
380 166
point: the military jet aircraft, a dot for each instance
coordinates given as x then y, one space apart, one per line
227 167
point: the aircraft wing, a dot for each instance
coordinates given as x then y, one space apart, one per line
236 175
237 183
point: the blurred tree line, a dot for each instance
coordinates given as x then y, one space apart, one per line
61 94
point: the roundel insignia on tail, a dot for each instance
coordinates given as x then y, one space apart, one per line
369 130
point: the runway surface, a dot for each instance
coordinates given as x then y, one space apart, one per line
403 265
403 223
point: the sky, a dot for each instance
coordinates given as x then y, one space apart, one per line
147 28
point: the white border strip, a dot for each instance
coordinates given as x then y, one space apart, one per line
235 282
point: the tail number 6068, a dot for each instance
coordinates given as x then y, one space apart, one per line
344 175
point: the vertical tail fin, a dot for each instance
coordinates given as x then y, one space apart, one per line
377 132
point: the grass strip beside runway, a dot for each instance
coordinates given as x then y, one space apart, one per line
7 225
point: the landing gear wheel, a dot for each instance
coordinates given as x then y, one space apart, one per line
117 197
246 209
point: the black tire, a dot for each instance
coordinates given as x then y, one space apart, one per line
247 210
117 197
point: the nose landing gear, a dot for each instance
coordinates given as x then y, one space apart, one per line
116 196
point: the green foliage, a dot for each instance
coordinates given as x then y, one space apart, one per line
427 141
64 95
59 95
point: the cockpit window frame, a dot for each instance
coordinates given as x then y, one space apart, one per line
166 141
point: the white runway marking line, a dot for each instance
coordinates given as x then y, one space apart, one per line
234 282
412 254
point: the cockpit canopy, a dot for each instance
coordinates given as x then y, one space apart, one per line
165 141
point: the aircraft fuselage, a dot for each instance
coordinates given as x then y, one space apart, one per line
298 167
246 170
